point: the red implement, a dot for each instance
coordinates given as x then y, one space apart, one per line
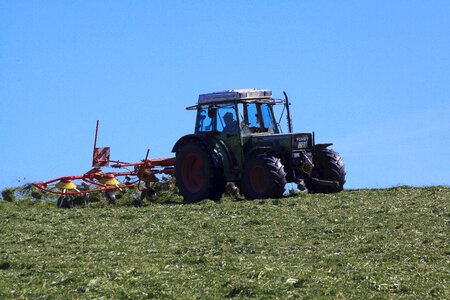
95 180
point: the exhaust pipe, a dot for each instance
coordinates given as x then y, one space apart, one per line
288 112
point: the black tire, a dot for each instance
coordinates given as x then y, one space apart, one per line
263 177
196 176
110 197
149 194
328 165
64 202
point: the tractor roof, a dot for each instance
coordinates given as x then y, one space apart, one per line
244 94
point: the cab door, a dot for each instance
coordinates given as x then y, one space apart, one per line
228 128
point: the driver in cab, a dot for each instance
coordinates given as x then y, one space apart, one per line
231 125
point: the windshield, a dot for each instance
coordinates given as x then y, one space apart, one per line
268 119
258 117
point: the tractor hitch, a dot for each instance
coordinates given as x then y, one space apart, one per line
324 183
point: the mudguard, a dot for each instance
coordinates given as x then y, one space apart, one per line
318 147
217 149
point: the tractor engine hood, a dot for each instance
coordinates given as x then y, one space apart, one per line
283 143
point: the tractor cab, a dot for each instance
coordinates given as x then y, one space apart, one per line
232 117
238 139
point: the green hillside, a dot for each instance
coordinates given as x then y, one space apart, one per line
389 243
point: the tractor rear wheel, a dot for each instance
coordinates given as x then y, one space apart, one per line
196 176
263 177
328 165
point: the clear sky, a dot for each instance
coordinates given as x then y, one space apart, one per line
373 77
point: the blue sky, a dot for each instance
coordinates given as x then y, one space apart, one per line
373 77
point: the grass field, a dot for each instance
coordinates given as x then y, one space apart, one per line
360 244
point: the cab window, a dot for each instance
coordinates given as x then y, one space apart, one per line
227 121
268 119
258 117
204 121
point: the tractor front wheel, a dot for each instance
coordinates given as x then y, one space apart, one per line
263 177
329 166
196 176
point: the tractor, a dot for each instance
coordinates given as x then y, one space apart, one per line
237 140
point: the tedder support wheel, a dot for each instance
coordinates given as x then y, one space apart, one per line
64 202
328 165
263 177
148 193
196 176
110 197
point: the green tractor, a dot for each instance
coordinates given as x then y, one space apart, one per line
238 140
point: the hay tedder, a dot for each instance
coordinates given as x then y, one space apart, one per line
140 174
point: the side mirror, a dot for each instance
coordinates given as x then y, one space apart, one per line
202 116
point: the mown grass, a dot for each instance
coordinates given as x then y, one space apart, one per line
360 244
